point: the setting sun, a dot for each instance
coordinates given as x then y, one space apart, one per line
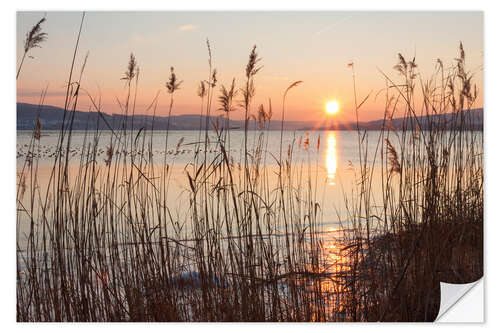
332 107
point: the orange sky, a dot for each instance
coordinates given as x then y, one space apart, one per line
314 47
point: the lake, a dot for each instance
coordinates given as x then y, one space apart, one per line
327 161
330 163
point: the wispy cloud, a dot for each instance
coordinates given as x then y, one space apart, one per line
334 24
188 27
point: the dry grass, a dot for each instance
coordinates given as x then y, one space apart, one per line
104 245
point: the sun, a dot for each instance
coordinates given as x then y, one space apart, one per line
332 107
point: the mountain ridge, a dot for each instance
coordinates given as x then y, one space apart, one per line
51 118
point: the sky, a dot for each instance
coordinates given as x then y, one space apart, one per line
314 47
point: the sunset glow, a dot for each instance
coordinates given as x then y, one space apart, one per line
331 157
332 107
322 65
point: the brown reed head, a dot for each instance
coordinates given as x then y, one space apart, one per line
173 83
202 90
252 65
35 36
226 97
132 69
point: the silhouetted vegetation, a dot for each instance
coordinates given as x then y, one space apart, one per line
103 244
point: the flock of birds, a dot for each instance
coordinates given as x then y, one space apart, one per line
49 151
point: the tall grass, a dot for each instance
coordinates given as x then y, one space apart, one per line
105 243
429 225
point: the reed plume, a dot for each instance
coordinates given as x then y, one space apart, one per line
226 97
173 83
34 38
132 69
393 157
202 91
38 129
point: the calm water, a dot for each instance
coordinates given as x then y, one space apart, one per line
329 162
336 148
329 158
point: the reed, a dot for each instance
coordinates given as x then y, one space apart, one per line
34 38
105 243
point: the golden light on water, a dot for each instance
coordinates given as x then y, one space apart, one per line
332 107
331 157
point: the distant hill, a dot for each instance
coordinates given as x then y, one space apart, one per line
473 117
51 118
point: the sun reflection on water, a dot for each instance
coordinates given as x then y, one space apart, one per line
331 157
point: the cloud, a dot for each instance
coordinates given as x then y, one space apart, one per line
188 27
334 24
